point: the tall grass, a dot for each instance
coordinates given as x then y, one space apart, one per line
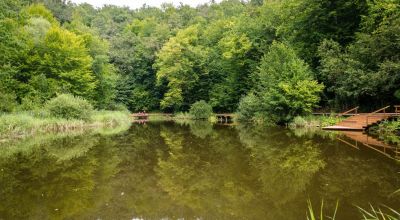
378 214
385 213
110 118
26 124
183 116
314 121
312 215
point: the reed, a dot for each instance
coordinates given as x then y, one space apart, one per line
24 124
312 215
314 121
386 213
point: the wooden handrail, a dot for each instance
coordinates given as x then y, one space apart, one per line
379 110
346 112
397 108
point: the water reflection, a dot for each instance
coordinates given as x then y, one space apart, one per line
192 170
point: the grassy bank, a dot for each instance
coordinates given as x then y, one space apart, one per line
179 117
16 125
313 121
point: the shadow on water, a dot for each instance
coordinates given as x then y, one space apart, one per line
190 170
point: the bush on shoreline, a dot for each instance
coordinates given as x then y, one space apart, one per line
24 124
314 121
69 107
201 110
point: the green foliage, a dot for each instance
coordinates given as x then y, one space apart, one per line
200 110
389 131
298 121
248 108
168 58
285 87
111 118
384 213
7 102
365 70
311 121
69 107
24 124
397 94
312 215
317 20
180 62
39 11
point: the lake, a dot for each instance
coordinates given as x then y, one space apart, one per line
166 170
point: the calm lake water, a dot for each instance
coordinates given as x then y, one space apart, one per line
192 171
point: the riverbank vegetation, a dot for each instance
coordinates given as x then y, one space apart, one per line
314 121
24 124
64 113
389 131
251 57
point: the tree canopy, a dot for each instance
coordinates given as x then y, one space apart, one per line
228 54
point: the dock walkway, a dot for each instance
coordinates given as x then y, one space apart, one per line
361 121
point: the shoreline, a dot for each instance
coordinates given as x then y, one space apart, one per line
23 124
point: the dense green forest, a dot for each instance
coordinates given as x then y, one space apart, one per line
272 58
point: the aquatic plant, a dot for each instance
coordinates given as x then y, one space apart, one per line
378 214
312 215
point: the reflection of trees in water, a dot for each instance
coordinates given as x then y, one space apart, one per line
208 176
135 187
357 178
285 166
47 181
201 129
220 177
161 170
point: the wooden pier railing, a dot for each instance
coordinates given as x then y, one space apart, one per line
361 121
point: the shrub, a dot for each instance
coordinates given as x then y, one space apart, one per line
285 86
7 102
299 121
200 110
69 107
183 116
248 107
111 118
118 107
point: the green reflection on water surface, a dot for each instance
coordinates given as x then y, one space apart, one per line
193 170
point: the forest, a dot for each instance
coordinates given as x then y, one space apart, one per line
271 59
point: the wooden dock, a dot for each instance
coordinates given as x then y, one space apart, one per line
221 117
145 116
225 117
361 121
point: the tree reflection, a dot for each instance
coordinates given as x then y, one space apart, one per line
165 170
53 180
285 166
